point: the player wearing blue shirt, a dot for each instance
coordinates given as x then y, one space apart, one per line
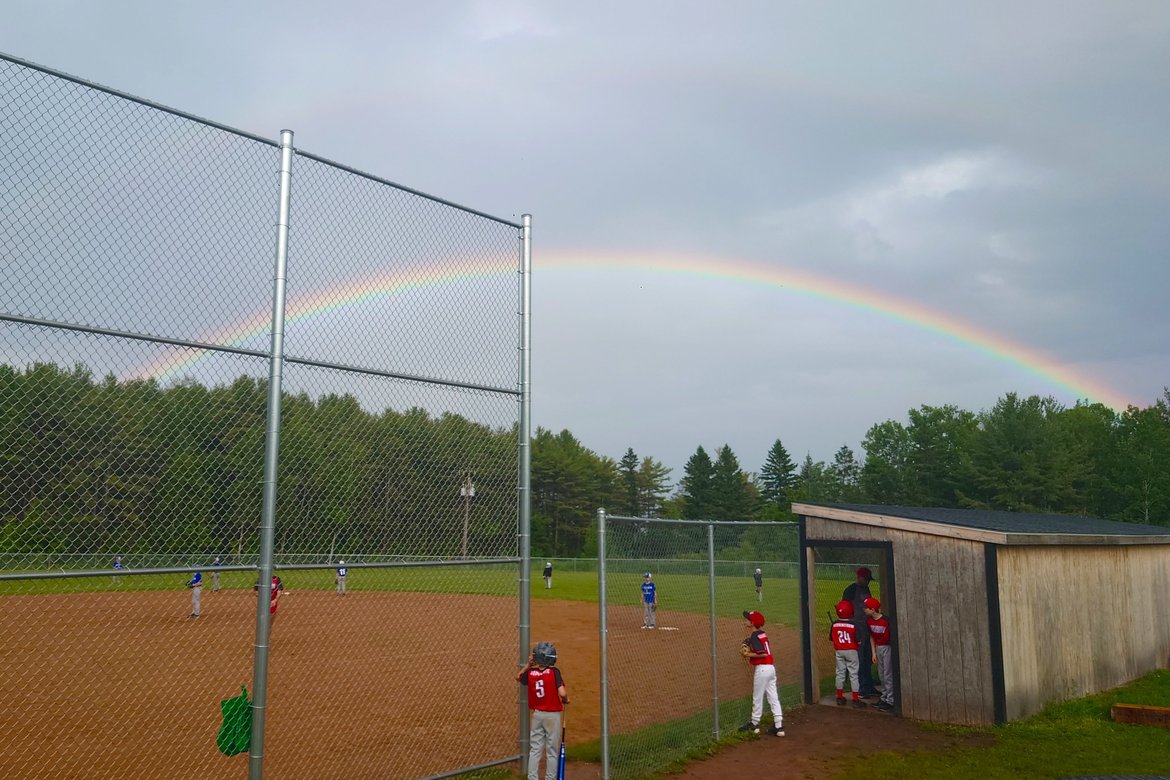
196 586
649 603
341 572
215 574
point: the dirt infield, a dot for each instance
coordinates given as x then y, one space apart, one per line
117 685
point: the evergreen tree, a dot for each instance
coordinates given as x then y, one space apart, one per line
777 476
697 486
628 467
653 487
886 476
846 475
730 498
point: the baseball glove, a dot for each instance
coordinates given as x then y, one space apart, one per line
744 650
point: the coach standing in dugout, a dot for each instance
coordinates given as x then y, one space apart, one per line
856 594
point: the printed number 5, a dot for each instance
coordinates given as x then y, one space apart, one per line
540 689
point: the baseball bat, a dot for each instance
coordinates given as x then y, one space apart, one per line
561 759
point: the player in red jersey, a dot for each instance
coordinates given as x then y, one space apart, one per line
882 655
547 699
276 589
843 634
758 652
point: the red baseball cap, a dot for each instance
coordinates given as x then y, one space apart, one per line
872 603
756 618
865 572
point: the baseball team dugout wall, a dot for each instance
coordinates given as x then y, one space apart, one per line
996 614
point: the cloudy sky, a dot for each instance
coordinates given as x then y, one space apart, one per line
751 220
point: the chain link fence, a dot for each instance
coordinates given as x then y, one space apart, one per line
672 678
136 362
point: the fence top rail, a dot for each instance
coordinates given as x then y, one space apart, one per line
135 99
404 188
666 521
243 134
60 575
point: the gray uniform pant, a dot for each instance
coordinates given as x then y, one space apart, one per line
847 663
544 736
214 582
340 585
885 664
649 614
196 593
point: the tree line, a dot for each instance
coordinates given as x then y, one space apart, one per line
100 467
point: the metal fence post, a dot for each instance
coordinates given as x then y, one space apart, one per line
524 487
603 655
714 630
271 462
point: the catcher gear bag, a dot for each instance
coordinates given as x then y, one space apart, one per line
235 735
545 654
844 609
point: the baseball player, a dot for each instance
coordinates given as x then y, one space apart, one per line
215 574
547 574
649 603
119 567
759 577
276 588
547 699
879 639
340 578
196 586
758 652
843 634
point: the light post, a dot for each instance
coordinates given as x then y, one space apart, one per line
468 492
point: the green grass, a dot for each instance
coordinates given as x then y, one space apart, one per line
1067 739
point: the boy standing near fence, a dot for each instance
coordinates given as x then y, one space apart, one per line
340 578
882 654
196 586
547 699
649 602
843 634
757 651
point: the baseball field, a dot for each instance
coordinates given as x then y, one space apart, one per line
123 683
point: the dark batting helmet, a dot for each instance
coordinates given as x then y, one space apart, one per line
545 654
844 609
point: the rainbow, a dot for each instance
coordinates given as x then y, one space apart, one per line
723 269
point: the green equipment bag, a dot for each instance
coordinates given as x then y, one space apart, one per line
235 735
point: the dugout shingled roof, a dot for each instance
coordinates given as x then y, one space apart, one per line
993 526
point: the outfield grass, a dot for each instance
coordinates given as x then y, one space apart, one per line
1068 739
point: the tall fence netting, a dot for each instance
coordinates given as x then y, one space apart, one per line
676 680
135 320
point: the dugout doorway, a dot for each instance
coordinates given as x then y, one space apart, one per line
828 568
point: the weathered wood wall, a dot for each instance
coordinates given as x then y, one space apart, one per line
1078 620
941 624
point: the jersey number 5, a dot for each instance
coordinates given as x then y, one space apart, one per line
540 689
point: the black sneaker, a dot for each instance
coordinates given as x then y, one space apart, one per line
885 707
751 728
840 701
776 732
858 703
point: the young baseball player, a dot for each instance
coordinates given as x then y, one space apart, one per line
340 578
196 586
547 699
843 634
119 567
882 655
649 602
758 652
759 577
275 589
215 574
547 574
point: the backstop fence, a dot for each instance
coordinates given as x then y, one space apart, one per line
672 596
224 360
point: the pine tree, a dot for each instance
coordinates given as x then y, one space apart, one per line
698 485
778 476
628 467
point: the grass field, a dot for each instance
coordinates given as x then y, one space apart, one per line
1073 738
